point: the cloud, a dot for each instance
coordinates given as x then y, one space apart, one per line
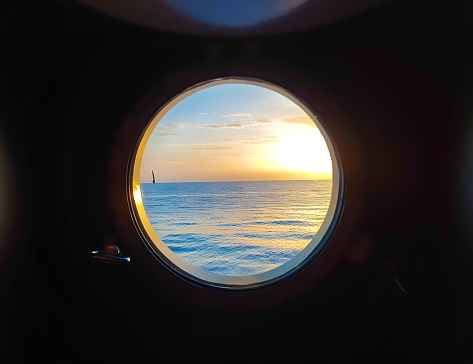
225 126
240 114
169 126
305 120
258 122
263 121
231 154
203 149
236 115
268 139
166 134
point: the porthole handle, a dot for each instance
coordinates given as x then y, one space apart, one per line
110 254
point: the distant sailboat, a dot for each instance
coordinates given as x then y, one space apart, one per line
153 176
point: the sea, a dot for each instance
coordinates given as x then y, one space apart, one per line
237 228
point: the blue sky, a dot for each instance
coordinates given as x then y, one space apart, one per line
235 132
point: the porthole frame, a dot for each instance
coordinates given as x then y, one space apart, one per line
197 275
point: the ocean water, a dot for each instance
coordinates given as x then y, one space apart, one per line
237 228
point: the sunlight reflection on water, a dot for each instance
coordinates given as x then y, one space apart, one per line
237 228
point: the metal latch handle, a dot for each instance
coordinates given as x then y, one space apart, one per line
110 254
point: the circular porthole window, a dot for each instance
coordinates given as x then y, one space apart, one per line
235 183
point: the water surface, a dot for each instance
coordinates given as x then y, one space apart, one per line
237 228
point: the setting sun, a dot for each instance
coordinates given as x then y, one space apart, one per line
303 152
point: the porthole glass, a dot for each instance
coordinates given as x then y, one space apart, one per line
235 183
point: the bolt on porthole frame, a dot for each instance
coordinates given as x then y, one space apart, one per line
198 275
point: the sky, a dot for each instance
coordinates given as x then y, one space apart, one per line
235 132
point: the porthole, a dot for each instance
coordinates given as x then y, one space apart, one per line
235 183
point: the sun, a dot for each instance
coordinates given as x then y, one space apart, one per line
304 151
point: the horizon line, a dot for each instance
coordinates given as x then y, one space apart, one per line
269 180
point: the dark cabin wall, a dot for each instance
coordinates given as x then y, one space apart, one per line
394 87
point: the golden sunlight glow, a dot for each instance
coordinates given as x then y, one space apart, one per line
137 194
304 152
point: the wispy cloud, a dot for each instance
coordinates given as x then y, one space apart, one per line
236 115
268 139
166 134
263 121
176 162
300 120
232 154
225 126
169 126
240 114
203 149
258 122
